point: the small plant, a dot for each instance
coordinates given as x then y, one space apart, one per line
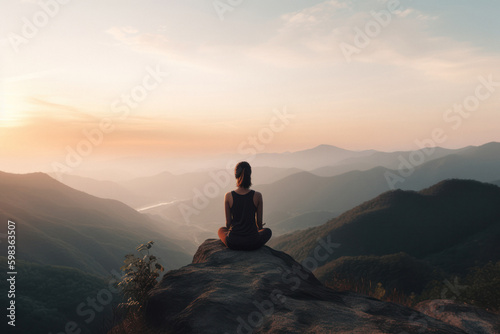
379 291
141 274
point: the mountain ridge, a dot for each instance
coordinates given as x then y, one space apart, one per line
58 225
423 224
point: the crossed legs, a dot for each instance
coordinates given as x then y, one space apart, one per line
244 243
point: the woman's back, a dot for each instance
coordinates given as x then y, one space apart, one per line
243 214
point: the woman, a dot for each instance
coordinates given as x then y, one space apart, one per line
243 209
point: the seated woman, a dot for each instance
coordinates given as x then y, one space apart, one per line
243 209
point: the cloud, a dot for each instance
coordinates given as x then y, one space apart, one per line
213 57
408 38
303 37
314 14
31 76
44 103
404 13
147 42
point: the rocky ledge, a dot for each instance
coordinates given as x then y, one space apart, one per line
267 291
469 318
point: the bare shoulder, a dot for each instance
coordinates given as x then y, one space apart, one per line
257 199
228 199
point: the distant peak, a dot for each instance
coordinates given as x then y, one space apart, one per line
326 146
491 144
36 176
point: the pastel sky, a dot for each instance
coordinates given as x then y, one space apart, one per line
352 73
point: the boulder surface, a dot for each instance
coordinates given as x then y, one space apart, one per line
267 291
469 318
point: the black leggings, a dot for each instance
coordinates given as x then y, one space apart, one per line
238 242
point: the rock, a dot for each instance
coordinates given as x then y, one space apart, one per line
469 318
267 291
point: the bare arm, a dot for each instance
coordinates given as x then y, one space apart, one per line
227 208
260 209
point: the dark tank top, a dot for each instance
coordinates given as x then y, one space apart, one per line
243 214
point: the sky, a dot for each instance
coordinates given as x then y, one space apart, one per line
114 79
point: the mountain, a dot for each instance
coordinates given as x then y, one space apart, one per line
266 291
102 189
481 163
305 193
166 186
189 205
49 295
266 175
301 221
422 168
58 225
319 156
453 225
300 193
390 160
294 195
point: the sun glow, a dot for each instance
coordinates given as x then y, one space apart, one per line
10 115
